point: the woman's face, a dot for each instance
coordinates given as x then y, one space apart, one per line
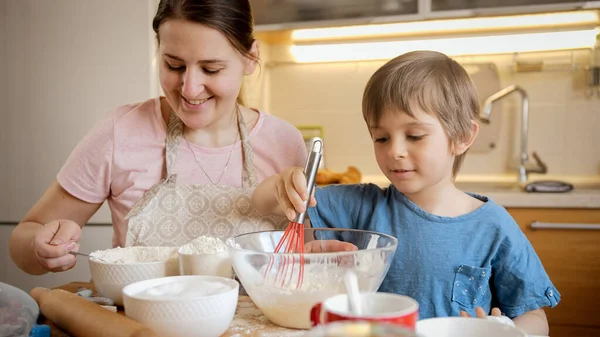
201 73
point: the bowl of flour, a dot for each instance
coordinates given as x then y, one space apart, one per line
120 267
205 255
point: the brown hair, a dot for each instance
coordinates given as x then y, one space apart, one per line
233 18
435 83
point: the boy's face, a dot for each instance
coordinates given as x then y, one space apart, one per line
413 153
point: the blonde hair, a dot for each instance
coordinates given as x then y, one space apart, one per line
435 83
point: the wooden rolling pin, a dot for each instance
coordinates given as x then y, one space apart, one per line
82 318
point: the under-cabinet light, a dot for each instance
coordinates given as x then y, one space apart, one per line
559 20
477 45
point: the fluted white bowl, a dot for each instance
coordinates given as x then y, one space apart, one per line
110 278
195 309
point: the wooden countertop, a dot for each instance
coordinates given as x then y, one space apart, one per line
247 322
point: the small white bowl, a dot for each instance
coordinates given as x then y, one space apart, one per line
217 264
465 327
183 306
110 277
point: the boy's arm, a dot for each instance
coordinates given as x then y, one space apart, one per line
263 197
283 194
533 322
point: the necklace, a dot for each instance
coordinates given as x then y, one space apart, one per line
226 163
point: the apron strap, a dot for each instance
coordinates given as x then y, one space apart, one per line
249 172
174 132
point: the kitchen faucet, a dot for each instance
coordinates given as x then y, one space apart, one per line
523 171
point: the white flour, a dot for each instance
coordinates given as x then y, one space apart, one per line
185 289
136 254
204 245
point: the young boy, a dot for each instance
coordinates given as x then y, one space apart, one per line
458 253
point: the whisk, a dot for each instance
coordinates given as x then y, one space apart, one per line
292 241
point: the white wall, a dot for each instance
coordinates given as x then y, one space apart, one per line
563 121
63 65
67 63
4 146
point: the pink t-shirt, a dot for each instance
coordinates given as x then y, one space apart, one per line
123 156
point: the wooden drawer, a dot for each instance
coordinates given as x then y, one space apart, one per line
571 257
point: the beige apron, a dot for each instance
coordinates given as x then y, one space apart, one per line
172 214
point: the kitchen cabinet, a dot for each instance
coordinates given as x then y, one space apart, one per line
286 11
445 5
291 14
571 257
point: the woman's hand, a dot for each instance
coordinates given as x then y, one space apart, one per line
53 242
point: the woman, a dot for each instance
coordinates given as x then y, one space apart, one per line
175 167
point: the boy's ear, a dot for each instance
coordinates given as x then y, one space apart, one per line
462 146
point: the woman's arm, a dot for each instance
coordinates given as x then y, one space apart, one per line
36 248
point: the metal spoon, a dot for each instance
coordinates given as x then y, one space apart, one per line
86 255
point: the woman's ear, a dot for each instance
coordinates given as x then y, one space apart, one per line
252 59
462 146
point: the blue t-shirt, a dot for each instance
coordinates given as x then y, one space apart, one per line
447 264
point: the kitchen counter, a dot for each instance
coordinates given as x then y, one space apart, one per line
504 191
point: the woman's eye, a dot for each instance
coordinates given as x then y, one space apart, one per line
211 71
415 138
173 68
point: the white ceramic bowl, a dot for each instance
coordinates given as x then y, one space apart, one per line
110 277
217 264
183 306
466 327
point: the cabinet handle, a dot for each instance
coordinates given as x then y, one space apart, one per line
564 225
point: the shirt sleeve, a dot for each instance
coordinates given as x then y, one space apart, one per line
344 206
87 172
520 282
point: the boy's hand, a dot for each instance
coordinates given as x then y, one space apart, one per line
291 192
327 246
480 313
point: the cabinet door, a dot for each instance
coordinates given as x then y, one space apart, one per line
571 257
444 5
289 11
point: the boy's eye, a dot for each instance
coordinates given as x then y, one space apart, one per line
380 139
415 138
211 71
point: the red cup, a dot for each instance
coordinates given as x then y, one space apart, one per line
376 307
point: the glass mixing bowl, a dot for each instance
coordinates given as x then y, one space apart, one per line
273 282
